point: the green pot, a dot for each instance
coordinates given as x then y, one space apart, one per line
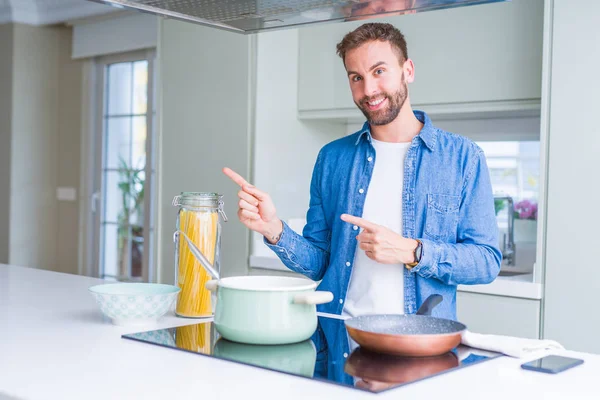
266 309
295 358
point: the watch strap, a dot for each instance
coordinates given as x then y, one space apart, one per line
417 254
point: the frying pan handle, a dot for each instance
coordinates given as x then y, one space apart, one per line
313 298
429 304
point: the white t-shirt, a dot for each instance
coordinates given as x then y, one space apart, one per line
379 288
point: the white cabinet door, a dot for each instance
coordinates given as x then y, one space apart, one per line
499 315
572 277
481 53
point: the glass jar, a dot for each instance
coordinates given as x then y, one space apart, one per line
197 221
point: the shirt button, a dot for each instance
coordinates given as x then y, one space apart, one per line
347 263
355 227
370 159
345 355
341 301
361 191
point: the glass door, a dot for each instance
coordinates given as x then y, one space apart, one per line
125 172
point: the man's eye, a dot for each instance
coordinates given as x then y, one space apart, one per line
379 71
356 78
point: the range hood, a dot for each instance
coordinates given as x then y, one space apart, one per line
252 16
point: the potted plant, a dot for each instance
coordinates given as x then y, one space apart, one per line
130 231
525 221
499 205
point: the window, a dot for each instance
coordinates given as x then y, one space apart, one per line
125 168
514 168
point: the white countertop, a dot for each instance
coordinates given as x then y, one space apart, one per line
55 344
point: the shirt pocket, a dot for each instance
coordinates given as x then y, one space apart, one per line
441 221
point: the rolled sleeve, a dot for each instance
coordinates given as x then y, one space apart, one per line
427 266
285 242
297 253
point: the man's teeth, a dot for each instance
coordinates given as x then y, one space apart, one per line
376 102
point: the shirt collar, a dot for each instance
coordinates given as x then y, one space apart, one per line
428 133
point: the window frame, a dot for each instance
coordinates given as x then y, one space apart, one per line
97 207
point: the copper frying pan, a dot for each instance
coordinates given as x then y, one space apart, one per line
418 335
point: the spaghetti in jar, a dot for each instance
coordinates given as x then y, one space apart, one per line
198 219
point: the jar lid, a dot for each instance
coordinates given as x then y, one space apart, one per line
201 200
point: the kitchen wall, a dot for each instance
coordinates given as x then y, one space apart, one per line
119 32
44 120
572 251
70 81
205 109
34 177
6 71
285 148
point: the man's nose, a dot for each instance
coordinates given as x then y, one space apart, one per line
370 86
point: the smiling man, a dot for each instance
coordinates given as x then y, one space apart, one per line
399 210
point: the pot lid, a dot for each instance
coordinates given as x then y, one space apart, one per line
267 283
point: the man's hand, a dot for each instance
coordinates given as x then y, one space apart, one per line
382 244
256 209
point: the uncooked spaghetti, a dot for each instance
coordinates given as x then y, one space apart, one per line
201 227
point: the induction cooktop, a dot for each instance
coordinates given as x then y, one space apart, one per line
330 356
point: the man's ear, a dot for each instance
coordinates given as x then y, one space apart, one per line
409 71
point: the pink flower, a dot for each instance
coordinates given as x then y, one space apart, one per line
526 209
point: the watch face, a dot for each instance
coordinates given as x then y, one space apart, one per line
418 252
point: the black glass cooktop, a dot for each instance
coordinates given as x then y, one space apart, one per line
329 356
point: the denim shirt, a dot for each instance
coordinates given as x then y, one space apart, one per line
447 203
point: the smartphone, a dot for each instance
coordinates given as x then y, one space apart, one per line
552 364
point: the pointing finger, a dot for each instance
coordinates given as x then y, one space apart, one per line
234 176
363 223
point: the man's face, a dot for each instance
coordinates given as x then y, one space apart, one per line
377 80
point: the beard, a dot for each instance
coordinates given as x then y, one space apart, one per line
385 115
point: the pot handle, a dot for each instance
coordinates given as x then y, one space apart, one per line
313 298
211 285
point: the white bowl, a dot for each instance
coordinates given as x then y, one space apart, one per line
134 304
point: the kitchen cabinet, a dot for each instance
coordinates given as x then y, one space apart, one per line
572 276
499 315
487 56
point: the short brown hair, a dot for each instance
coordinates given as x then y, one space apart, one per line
370 32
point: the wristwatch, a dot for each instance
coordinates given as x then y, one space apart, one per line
417 253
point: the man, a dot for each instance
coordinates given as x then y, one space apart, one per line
399 210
